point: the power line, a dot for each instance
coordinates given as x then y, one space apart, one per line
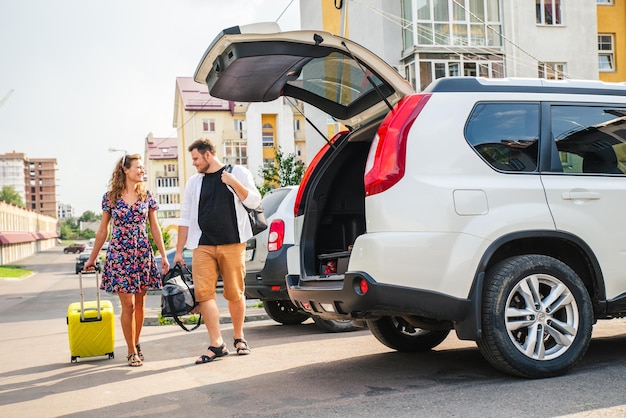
283 12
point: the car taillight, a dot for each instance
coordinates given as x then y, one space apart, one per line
276 235
387 157
312 166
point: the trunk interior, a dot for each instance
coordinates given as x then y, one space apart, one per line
335 211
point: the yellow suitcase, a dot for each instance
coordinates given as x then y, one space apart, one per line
90 326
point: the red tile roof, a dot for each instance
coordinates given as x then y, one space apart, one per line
195 96
162 148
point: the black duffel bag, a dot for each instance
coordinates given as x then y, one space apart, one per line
177 297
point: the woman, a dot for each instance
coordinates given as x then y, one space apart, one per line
129 267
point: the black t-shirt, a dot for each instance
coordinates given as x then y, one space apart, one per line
216 212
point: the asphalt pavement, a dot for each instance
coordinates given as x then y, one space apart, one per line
37 377
292 370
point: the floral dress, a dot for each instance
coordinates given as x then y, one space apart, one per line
129 266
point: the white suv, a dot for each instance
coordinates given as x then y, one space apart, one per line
487 206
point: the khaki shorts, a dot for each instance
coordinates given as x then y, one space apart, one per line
210 261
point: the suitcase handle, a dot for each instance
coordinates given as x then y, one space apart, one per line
82 298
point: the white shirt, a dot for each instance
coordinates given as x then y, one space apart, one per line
189 210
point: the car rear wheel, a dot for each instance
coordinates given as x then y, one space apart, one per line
536 317
397 333
284 311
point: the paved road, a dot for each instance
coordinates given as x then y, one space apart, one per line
292 371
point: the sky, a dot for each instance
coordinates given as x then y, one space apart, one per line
89 75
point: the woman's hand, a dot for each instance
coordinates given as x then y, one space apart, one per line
165 265
89 265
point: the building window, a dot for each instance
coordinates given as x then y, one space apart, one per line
236 152
167 181
450 65
606 55
548 12
296 125
268 135
268 163
208 125
551 70
447 22
604 2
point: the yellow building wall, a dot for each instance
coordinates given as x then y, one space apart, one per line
331 22
331 18
269 153
612 19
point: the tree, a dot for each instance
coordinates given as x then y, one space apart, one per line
286 172
9 195
89 216
166 238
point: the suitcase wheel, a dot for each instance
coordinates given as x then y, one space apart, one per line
111 355
74 359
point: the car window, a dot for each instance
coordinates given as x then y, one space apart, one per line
336 77
590 139
271 201
505 135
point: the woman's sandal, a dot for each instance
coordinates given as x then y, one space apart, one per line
243 350
133 360
139 353
220 351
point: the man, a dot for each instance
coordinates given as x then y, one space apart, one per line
215 225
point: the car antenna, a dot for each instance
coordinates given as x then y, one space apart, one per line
332 145
369 79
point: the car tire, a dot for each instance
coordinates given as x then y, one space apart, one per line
65 251
335 325
284 312
529 296
396 333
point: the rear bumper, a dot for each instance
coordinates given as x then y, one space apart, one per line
342 299
269 283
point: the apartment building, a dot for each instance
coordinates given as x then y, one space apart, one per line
612 40
37 184
65 211
162 171
12 173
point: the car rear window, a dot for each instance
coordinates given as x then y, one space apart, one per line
338 78
272 200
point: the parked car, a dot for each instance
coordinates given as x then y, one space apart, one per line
82 259
484 206
74 248
266 263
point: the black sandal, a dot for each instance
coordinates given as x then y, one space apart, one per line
139 353
133 360
242 350
220 351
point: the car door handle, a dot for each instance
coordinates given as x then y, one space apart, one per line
580 195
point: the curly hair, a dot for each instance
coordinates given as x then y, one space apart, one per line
118 179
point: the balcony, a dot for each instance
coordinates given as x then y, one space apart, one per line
162 173
233 135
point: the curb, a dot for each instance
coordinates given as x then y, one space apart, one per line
252 314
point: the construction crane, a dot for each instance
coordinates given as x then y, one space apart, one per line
6 97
